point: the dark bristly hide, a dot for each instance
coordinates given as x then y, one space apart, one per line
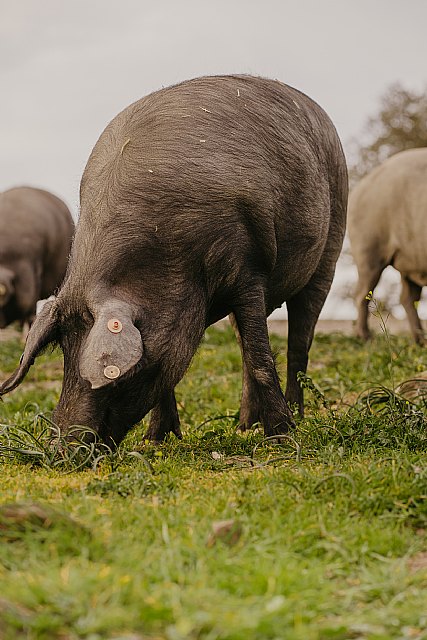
218 196
36 229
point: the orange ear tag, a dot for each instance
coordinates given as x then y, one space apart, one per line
114 325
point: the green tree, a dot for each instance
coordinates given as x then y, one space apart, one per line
400 124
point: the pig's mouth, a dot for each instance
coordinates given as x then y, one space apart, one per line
105 434
74 427
104 415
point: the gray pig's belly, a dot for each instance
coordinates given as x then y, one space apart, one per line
413 267
419 277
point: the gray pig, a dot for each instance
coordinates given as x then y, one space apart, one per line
387 225
220 195
36 230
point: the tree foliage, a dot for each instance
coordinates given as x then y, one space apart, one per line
400 124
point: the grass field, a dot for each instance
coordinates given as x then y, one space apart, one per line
326 533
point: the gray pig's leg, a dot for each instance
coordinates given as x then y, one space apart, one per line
249 409
26 326
368 280
263 383
164 419
410 294
25 330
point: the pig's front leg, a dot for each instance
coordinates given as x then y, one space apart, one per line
164 419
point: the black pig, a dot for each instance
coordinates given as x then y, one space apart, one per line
36 229
220 195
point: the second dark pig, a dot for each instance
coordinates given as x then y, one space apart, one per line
36 229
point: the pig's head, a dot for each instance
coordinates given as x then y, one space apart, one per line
7 288
109 382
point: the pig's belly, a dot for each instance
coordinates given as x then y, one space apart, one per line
419 277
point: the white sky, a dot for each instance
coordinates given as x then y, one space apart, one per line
68 66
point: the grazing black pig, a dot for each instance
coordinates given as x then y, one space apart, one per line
221 195
36 230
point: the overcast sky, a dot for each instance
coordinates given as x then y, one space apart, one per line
67 67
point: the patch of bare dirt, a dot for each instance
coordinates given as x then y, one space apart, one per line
346 327
10 333
418 562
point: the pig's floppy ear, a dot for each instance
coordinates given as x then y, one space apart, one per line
113 345
42 332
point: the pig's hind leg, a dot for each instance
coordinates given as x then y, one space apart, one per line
369 275
303 312
262 397
409 297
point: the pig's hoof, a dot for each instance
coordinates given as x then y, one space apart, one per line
249 418
248 426
278 424
248 423
363 334
157 433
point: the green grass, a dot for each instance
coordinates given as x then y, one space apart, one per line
331 524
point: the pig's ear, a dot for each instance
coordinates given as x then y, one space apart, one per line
42 332
113 345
